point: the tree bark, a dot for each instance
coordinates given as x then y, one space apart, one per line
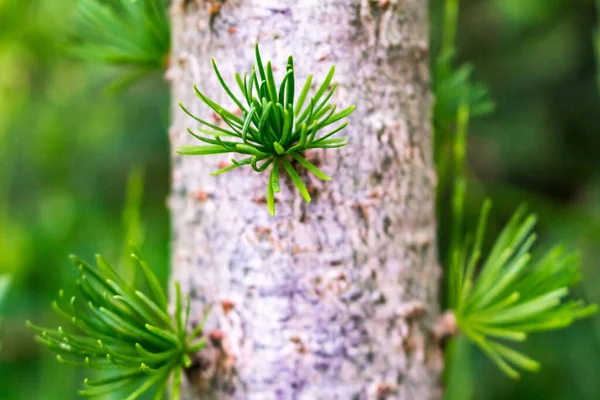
332 299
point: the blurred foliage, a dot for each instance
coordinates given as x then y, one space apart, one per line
126 335
131 34
597 44
67 151
497 296
539 147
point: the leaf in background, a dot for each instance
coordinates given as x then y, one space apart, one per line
511 296
132 35
452 85
131 219
110 325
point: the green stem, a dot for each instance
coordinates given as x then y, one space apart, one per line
450 24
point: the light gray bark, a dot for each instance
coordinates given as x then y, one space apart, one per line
328 300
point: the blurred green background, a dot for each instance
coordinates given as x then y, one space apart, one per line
67 150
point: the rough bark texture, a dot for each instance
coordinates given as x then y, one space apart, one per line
332 299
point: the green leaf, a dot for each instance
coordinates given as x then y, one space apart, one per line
151 280
291 83
271 83
259 63
201 150
161 375
515 357
271 191
325 84
303 95
309 166
229 92
120 329
176 384
296 179
178 310
278 148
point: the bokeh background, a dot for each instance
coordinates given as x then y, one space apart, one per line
67 152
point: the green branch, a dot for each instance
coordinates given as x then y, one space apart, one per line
111 325
512 296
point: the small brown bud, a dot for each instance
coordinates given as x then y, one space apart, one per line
201 195
227 306
223 164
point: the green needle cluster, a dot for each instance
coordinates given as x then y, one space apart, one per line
511 296
274 128
112 326
131 34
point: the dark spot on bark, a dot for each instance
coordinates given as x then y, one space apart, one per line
216 338
386 164
376 178
214 10
385 390
312 190
361 213
380 299
304 216
185 4
260 200
399 378
352 295
262 230
321 366
281 11
302 349
387 223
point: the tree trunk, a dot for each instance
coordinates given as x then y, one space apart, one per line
332 299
